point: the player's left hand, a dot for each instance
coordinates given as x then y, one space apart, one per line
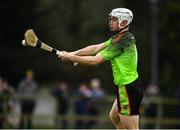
65 56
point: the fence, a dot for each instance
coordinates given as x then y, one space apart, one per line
164 113
155 112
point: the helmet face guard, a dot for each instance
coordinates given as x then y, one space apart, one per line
125 16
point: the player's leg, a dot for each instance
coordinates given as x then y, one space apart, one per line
114 116
130 122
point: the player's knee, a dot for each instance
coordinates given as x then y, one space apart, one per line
130 123
114 118
134 127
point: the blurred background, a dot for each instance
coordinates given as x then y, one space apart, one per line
37 90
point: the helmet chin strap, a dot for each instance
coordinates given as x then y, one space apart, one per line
118 34
122 30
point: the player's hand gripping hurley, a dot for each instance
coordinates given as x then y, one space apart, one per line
32 40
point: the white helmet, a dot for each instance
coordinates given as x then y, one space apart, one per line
124 15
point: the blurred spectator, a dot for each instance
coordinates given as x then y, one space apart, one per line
1 103
177 96
151 108
96 87
27 89
61 93
93 107
83 96
5 95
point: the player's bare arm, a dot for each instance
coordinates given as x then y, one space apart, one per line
86 60
90 50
